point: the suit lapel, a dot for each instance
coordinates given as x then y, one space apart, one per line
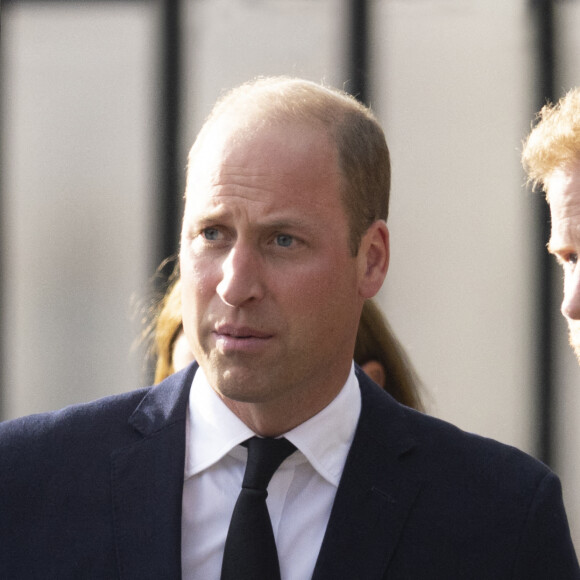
374 496
147 484
372 502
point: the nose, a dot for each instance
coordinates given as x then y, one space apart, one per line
571 303
242 276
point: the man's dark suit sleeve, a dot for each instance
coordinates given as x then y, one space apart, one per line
420 498
95 492
546 545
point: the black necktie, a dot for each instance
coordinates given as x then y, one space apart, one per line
250 551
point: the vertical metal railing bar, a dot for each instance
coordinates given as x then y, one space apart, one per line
543 18
170 189
358 50
3 244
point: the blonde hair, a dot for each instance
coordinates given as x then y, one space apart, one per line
554 142
363 155
375 341
162 325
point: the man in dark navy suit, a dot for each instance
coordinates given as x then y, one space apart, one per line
284 238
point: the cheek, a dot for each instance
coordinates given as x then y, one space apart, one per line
199 276
308 286
194 306
568 285
194 289
318 295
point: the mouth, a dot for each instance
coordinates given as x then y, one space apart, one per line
230 338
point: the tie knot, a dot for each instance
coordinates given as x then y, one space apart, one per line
264 458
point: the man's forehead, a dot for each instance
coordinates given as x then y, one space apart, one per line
237 129
211 146
564 233
563 188
564 198
270 153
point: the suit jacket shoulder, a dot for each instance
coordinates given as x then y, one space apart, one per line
419 498
86 489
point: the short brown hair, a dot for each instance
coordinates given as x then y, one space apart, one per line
363 155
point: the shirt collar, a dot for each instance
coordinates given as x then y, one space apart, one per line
213 430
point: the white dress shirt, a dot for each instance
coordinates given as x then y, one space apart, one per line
300 494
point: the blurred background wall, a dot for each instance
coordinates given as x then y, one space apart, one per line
101 101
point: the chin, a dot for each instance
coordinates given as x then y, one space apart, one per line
239 385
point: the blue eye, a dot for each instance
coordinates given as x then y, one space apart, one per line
284 240
210 234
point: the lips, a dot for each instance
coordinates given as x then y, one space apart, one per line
240 332
242 339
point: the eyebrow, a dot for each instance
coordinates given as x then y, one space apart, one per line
554 247
285 223
557 246
291 222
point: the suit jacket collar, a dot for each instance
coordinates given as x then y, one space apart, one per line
375 494
165 403
147 483
372 501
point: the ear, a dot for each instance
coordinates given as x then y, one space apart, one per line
373 256
376 371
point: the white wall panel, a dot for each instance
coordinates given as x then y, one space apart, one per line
228 42
453 89
77 139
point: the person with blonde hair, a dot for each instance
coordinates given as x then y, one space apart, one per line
166 342
551 157
273 456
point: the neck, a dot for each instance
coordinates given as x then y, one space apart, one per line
274 418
